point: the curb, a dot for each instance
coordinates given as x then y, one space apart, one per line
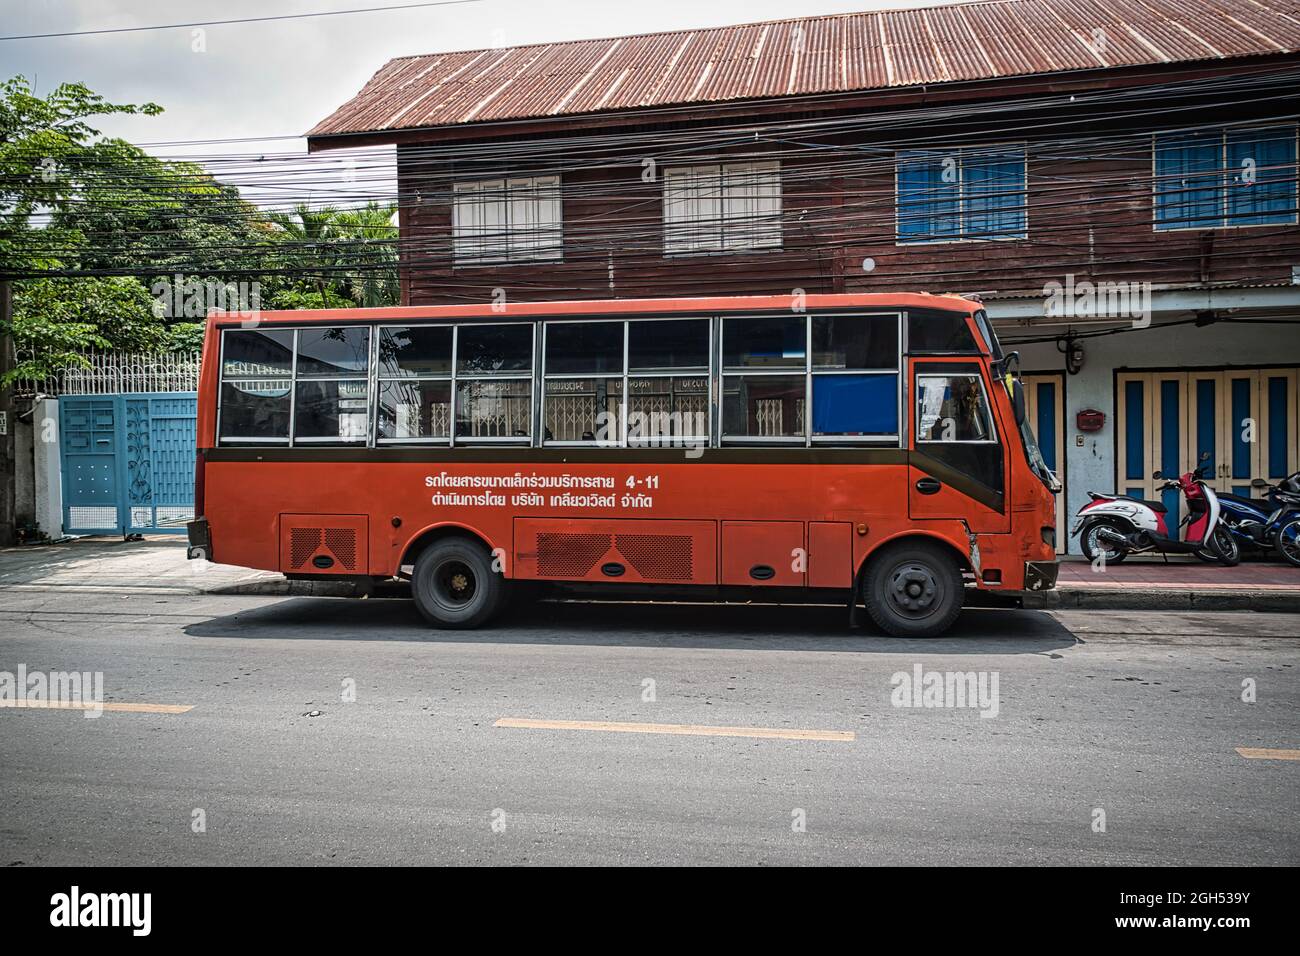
1164 599
283 587
1064 599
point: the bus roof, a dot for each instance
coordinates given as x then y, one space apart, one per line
613 307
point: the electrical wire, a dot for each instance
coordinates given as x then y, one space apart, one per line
623 225
213 23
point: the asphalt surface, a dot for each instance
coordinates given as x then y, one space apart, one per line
1136 714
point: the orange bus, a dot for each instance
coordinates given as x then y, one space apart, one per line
870 449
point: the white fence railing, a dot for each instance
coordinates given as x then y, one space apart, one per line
111 373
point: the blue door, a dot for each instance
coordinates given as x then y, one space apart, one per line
128 462
1045 407
89 441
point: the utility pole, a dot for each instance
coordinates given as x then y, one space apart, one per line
8 444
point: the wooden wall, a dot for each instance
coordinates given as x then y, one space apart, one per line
1090 208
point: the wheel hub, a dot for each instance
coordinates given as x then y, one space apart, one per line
913 589
454 583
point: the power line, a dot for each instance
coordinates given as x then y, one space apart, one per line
214 23
848 188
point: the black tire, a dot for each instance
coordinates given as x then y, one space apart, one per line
455 586
1089 546
913 589
1224 547
1286 541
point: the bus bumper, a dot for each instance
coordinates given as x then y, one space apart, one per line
200 540
1040 575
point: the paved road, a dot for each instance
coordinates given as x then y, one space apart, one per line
1137 714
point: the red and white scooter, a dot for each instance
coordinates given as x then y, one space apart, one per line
1111 527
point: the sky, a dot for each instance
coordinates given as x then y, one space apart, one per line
279 79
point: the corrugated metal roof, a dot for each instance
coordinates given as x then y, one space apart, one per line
811 55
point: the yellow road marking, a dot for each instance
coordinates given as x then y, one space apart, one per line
114 706
691 730
1264 753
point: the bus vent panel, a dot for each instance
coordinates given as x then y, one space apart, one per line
323 544
635 551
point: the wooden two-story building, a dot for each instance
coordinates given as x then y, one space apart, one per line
1117 179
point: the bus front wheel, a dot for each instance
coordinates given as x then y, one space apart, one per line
913 589
454 584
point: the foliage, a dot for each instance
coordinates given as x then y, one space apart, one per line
46 146
335 242
72 200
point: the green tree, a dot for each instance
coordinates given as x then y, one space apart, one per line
369 240
58 319
304 240
74 201
48 154
349 255
46 148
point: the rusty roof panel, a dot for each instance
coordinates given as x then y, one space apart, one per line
986 39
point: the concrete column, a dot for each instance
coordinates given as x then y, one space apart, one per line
47 478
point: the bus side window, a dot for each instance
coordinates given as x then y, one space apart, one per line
331 401
855 376
668 382
952 408
414 384
764 363
256 381
494 382
583 371
811 379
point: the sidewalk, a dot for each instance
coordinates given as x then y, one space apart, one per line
158 565
1184 583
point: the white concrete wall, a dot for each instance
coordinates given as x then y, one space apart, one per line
1185 347
47 478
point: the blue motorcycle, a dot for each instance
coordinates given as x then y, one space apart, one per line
1264 524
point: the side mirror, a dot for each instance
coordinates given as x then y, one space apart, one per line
1205 456
1156 474
1018 402
1259 483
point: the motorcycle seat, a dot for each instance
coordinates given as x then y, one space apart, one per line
1156 506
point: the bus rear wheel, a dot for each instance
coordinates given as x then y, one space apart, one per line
454 585
913 589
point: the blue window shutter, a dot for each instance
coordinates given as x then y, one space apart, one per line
1134 431
927 206
1046 426
1189 181
994 185
1278 410
1170 431
855 405
1268 157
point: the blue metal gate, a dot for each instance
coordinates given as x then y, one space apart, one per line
128 462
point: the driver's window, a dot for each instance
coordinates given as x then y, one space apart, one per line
952 408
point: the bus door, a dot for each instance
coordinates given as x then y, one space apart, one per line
957 462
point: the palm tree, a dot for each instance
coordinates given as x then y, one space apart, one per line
370 234
309 234
331 238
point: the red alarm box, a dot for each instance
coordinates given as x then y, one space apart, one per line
1090 420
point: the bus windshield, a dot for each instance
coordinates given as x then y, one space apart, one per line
1035 455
